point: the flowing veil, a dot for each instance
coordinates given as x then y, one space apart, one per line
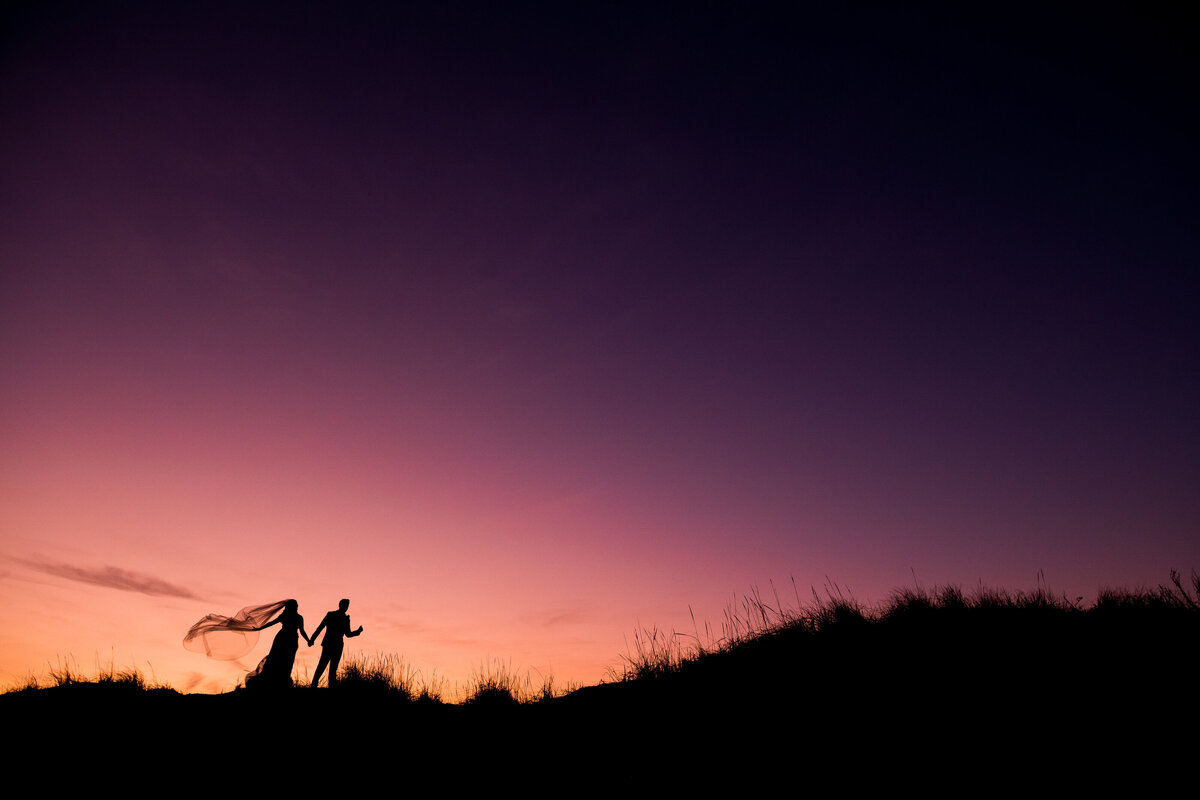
227 638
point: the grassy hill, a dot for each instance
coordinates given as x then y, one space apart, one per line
994 687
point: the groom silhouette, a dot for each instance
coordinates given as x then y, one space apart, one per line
337 626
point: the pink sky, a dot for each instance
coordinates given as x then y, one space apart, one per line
524 332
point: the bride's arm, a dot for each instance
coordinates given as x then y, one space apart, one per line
275 621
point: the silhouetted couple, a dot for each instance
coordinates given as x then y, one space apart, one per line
227 638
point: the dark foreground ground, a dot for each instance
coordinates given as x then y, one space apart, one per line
947 701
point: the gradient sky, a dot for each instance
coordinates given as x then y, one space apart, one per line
526 327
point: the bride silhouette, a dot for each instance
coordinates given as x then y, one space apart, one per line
275 670
229 638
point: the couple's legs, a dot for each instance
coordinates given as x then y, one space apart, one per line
330 656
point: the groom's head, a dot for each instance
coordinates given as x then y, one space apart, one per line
343 604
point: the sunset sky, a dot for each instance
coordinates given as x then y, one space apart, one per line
527 326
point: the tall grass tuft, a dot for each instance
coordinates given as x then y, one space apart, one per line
389 674
499 685
1179 595
66 672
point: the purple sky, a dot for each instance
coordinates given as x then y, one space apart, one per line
524 326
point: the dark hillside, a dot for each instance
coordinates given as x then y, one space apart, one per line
1001 688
